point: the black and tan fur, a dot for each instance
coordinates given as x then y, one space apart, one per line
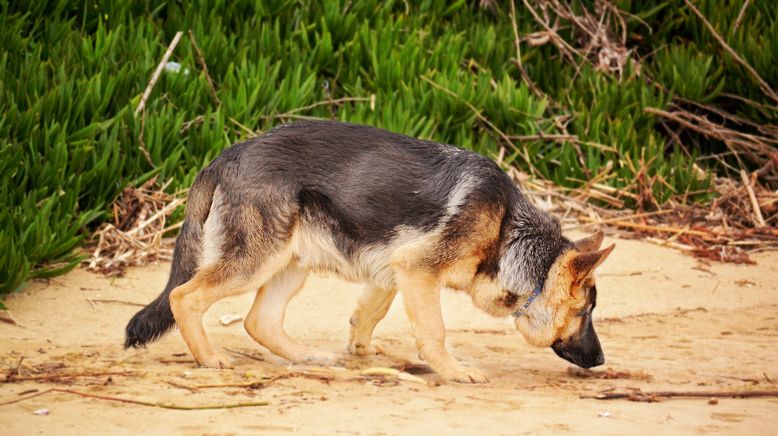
393 212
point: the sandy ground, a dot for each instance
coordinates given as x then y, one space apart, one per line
688 325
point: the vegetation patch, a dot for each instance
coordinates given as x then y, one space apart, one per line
651 100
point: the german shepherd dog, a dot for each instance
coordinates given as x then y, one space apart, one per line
378 208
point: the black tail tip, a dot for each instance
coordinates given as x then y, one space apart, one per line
136 335
147 325
133 341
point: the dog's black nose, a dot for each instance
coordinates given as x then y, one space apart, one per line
573 353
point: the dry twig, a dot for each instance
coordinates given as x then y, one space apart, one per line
740 15
107 300
760 150
56 377
517 42
201 59
752 197
736 57
136 235
725 230
138 402
293 113
6 317
483 119
147 92
651 397
608 374
599 35
157 72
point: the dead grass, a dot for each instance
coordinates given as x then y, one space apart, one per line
135 237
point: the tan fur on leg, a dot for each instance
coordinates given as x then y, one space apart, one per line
421 293
189 302
371 309
265 321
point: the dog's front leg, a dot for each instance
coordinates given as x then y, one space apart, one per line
371 309
421 294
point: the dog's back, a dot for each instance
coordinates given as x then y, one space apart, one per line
376 178
354 192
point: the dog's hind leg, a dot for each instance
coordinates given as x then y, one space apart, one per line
247 239
222 279
190 301
265 321
371 309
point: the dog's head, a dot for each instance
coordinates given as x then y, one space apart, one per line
561 316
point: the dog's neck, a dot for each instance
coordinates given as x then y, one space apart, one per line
531 241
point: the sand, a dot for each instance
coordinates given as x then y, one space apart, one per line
687 325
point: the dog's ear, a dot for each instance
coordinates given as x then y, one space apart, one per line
591 243
584 263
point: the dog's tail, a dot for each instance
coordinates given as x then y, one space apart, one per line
156 319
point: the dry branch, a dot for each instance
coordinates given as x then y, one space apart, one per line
138 402
157 72
655 229
201 59
725 230
517 42
650 397
135 237
483 119
599 36
760 150
12 378
762 84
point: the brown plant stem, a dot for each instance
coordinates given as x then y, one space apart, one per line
201 59
139 402
157 72
649 396
736 57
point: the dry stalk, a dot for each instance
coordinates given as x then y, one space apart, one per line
598 37
157 72
740 15
652 397
736 57
725 230
483 119
201 59
135 237
517 43
759 150
137 402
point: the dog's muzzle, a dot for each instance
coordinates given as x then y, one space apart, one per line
582 349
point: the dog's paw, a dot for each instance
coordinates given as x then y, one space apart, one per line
465 375
218 361
358 349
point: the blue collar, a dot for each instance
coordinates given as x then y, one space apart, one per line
523 309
